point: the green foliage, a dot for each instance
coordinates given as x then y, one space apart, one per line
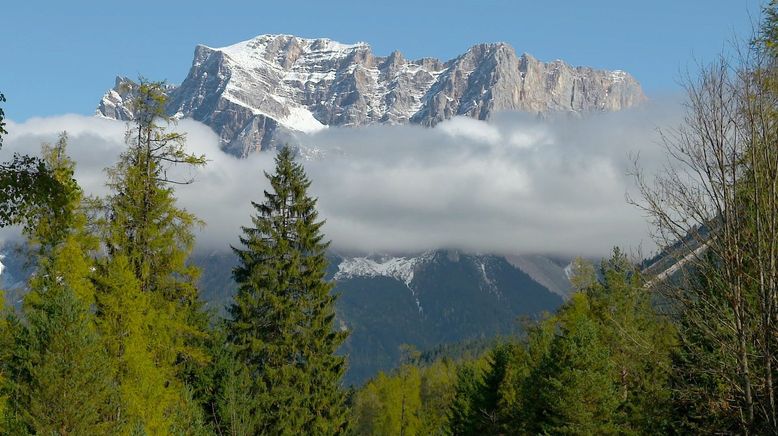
225 387
640 341
390 405
6 355
26 184
437 392
701 396
62 241
574 381
601 365
144 223
61 377
627 361
283 317
236 404
138 339
768 35
412 400
465 417
70 388
481 398
14 355
52 226
147 304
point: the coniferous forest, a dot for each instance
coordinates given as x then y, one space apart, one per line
113 338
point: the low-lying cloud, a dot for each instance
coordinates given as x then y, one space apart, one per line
516 184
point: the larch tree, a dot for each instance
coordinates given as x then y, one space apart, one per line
147 301
63 377
390 404
62 241
282 320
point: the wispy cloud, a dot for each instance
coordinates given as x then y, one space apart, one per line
515 184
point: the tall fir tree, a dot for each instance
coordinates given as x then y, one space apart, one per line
283 316
147 302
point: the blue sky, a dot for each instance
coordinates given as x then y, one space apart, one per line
61 56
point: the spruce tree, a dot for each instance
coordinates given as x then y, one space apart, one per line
640 341
500 358
464 416
283 314
573 387
70 388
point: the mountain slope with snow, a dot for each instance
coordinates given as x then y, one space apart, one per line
424 300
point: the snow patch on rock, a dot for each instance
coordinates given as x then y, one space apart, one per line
399 268
569 270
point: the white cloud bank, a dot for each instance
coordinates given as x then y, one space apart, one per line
513 185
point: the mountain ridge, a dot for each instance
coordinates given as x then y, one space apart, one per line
265 91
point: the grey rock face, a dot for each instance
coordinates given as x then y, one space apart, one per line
260 93
117 102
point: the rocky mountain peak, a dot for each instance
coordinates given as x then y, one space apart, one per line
266 91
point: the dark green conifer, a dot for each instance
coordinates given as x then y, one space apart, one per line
283 316
71 388
574 383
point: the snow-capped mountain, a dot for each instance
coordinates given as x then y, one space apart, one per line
266 91
262 92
